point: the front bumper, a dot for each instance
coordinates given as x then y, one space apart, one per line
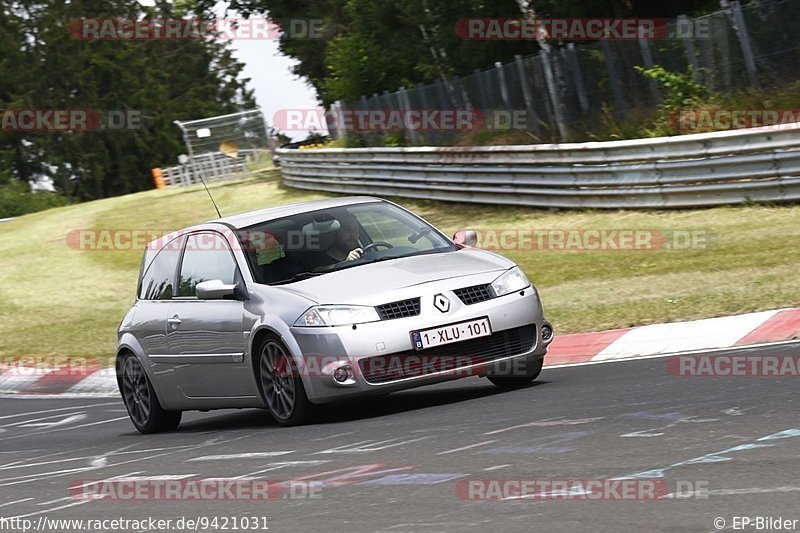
323 350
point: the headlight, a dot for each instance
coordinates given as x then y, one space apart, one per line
511 281
337 315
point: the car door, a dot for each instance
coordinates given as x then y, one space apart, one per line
206 338
156 289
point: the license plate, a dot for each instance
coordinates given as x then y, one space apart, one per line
462 331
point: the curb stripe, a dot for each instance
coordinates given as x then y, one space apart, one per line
576 349
580 347
784 325
60 381
684 336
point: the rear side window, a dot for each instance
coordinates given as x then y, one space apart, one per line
207 257
159 279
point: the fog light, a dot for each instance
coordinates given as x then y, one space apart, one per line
547 332
341 374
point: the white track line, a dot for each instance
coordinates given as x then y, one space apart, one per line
467 447
74 407
15 501
689 352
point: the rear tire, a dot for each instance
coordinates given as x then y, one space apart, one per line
140 399
532 370
281 385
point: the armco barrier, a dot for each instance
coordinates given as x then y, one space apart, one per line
728 167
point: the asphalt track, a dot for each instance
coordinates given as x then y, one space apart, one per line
394 464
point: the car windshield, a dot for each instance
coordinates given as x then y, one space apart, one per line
315 243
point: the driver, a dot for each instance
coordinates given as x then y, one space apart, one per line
345 243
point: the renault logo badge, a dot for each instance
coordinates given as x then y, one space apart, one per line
441 303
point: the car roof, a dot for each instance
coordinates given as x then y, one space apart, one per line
249 218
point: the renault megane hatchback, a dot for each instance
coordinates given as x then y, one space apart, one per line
303 304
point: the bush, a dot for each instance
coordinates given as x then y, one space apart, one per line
16 198
683 93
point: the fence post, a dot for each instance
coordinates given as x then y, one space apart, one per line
501 78
688 43
555 97
527 94
482 91
428 136
460 95
740 28
332 120
405 104
647 56
215 170
575 68
613 79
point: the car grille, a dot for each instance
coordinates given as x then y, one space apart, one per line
384 368
400 309
475 294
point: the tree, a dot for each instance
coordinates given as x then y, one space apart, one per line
42 66
375 46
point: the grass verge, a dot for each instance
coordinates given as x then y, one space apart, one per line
58 300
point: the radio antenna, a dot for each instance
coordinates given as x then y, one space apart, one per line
191 162
209 192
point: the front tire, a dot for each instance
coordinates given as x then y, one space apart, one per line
140 399
531 371
281 385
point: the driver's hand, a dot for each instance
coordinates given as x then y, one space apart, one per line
355 254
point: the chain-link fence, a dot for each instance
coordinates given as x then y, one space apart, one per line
244 131
570 92
218 148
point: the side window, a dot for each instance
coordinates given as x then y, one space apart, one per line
207 257
262 247
159 278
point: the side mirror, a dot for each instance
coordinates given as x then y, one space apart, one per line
466 237
215 289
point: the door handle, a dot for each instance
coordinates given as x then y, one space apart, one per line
174 322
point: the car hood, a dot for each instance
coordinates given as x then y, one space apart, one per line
362 284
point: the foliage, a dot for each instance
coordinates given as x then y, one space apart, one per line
43 66
16 198
374 46
683 93
370 46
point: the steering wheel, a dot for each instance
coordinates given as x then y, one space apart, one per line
375 244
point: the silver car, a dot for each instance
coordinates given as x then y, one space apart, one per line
309 303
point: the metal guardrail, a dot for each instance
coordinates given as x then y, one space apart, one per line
729 167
